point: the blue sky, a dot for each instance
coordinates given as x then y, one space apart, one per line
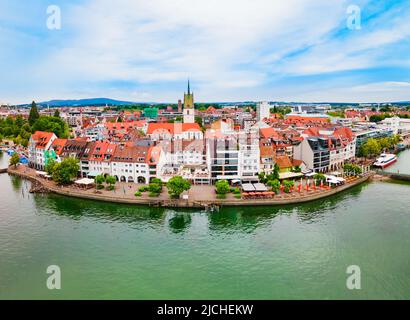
294 50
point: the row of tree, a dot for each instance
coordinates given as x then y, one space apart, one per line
20 129
374 146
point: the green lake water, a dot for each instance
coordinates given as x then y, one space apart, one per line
111 251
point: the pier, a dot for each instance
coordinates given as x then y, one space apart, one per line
394 175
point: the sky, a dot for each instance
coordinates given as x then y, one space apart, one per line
231 50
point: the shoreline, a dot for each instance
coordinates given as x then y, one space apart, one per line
284 199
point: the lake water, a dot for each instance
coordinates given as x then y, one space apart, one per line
112 251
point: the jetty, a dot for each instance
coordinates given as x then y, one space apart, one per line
394 175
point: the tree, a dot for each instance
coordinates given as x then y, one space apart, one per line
319 177
34 115
222 187
176 185
274 184
275 174
14 160
50 166
52 124
111 182
352 169
370 147
287 185
99 181
155 187
65 171
57 113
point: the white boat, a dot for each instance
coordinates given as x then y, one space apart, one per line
385 160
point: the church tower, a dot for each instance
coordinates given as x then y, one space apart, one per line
189 110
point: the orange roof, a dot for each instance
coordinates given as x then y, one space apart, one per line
58 145
269 133
344 132
283 162
172 128
266 151
42 138
124 125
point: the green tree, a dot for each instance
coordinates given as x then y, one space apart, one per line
50 167
56 113
370 148
352 169
222 187
287 185
65 171
52 124
14 160
111 182
319 177
274 184
155 188
176 185
99 181
34 115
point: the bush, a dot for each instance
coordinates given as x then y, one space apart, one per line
319 177
100 186
143 189
237 196
287 185
138 194
221 196
110 188
153 194
155 187
222 187
274 184
236 191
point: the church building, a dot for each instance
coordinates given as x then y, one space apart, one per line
189 110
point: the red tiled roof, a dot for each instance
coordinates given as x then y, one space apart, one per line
42 138
58 145
283 162
269 133
172 128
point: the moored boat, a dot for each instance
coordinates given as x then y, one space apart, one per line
385 160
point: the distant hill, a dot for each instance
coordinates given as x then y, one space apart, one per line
85 102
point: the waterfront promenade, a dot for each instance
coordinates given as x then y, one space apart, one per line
199 196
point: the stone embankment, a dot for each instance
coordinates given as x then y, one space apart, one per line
43 185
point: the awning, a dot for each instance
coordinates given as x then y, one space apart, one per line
247 187
260 187
290 175
85 181
93 174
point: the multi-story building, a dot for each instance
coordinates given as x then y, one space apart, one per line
131 164
326 150
262 111
38 149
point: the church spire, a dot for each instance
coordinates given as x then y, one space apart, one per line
189 90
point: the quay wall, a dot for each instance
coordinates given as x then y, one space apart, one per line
192 203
